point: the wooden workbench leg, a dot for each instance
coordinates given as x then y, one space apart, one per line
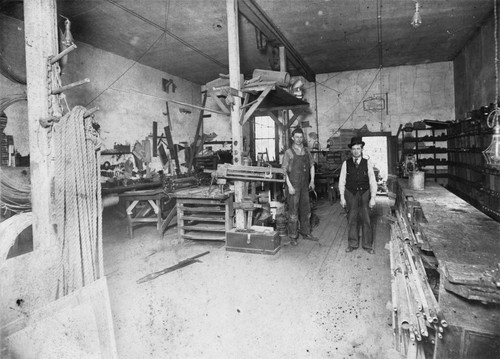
130 207
158 216
180 224
228 204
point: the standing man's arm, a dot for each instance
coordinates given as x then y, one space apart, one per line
312 172
373 184
342 179
285 165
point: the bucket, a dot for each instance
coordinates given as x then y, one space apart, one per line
281 78
417 180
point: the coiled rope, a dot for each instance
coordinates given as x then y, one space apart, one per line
15 195
78 201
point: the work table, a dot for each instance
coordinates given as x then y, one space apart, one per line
466 246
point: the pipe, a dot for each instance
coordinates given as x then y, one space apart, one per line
63 53
70 86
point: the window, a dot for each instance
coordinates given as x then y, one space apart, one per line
265 138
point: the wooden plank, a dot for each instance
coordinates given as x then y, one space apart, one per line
204 236
296 115
235 82
40 33
173 149
217 209
197 107
155 139
207 218
205 228
251 110
219 103
197 135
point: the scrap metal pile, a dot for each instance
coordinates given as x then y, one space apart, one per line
417 318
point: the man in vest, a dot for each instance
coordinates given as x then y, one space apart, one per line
299 166
358 189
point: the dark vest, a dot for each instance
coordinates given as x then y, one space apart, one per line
357 178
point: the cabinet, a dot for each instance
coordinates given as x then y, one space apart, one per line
469 177
203 213
429 147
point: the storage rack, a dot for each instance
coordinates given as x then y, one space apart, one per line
429 145
469 177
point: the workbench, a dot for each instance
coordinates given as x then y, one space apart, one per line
203 213
148 206
465 243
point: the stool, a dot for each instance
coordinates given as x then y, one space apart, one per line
147 206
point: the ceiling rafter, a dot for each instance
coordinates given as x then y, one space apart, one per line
256 16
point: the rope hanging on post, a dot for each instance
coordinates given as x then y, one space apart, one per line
78 201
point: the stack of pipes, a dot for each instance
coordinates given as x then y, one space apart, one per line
417 317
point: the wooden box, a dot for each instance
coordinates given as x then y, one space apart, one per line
250 241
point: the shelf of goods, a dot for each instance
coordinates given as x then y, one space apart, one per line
429 147
469 176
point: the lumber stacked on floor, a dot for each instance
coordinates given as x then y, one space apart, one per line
417 318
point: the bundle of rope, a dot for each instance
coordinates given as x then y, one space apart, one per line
15 189
78 201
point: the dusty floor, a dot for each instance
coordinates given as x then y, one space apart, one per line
309 301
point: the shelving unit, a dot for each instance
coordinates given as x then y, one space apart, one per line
203 213
429 146
469 176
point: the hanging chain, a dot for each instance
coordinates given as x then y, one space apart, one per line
492 119
496 52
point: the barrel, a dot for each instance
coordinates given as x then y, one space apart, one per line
417 180
280 77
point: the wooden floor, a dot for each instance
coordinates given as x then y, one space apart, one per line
309 301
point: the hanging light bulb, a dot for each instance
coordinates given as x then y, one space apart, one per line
492 153
416 21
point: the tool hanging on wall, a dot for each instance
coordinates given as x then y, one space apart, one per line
167 113
65 41
172 149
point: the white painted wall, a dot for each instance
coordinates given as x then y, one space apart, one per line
414 93
129 95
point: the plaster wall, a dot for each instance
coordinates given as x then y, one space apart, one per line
129 95
475 72
413 93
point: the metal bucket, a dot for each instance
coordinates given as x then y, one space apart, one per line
417 180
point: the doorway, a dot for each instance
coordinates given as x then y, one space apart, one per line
376 150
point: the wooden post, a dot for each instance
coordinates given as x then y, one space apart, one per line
234 82
284 113
40 28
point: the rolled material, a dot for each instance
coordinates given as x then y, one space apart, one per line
280 77
111 200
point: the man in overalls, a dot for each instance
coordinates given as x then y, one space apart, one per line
299 166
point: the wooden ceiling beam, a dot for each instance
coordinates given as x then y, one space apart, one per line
258 18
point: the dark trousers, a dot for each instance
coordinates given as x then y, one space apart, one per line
299 210
358 216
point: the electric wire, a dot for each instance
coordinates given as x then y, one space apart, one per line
169 33
360 101
127 70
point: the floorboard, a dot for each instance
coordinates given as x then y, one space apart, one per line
309 301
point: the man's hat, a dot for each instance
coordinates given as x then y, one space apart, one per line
356 141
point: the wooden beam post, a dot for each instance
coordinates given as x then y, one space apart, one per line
284 114
234 82
40 28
